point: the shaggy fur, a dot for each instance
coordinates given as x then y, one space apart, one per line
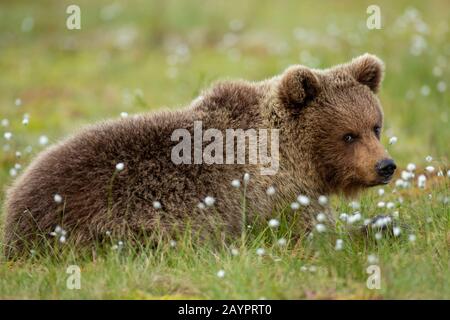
314 110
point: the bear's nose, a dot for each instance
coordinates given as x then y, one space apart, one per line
386 168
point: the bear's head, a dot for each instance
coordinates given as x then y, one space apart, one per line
335 117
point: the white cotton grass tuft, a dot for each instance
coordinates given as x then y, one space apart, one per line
201 205
411 167
270 191
323 200
321 227
274 223
221 273
209 201
57 198
380 192
378 236
390 205
260 251
421 181
234 252
354 218
172 243
393 140
381 204
157 205
60 233
5 122
448 173
339 245
343 216
124 114
372 259
355 205
43 140
246 178
321 217
396 231
235 183
282 242
430 169
295 205
303 200
7 135
428 158
120 166
412 238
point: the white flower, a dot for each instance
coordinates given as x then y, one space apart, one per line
295 205
380 192
5 122
430 169
246 177
270 191
339 244
234 252
396 231
260 251
57 198
425 90
393 140
378 235
108 233
381 222
381 204
372 259
412 238
406 175
411 167
441 86
343 216
274 223
236 183
13 172
123 114
209 201
354 218
390 205
201 205
43 140
221 273
400 183
354 205
303 200
25 121
421 180
281 242
321 227
173 243
428 158
120 166
321 217
323 200
120 243
157 205
62 239
7 135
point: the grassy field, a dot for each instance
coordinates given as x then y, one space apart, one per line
139 56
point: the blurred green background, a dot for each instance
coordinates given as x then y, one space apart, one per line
137 56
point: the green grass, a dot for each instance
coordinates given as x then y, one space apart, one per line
66 79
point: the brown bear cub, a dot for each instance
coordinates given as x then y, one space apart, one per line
120 178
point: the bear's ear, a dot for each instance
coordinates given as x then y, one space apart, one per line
298 86
367 70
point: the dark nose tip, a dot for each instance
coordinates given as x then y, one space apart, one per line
386 168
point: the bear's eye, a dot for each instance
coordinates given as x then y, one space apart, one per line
349 137
377 131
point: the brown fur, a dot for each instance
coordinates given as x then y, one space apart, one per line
313 110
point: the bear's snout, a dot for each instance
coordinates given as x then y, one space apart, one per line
385 168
